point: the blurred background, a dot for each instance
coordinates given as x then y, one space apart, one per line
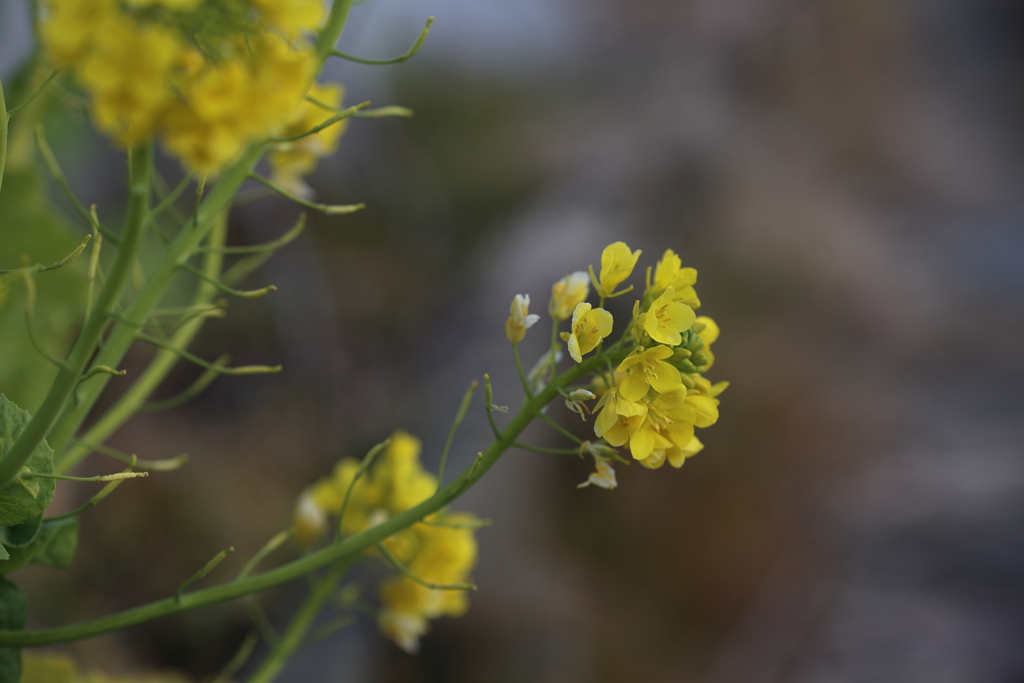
846 176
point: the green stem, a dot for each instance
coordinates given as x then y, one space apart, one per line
136 396
85 345
121 337
348 548
459 417
519 369
333 28
178 252
292 638
3 134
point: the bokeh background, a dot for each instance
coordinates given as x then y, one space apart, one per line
845 174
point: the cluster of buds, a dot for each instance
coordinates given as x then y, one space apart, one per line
208 77
435 555
652 395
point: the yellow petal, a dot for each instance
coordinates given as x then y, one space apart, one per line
706 410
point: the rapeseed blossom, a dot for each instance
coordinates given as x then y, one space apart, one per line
519 319
589 326
653 395
567 293
439 550
617 263
207 78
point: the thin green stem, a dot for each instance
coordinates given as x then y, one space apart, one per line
10 112
166 465
89 336
240 370
103 493
363 466
3 134
204 380
103 477
121 337
459 417
291 640
327 123
270 546
547 451
58 177
240 293
404 57
348 548
239 659
561 429
519 369
329 209
394 562
207 568
273 245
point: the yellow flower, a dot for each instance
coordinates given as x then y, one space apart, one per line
647 368
291 16
442 552
611 422
567 293
603 474
520 319
404 628
708 335
589 326
670 273
617 263
668 423
677 456
666 319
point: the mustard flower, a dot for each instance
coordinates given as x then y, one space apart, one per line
603 474
647 368
589 326
669 273
610 424
520 319
666 319
617 263
668 423
567 293
575 401
708 335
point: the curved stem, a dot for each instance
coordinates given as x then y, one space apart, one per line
333 553
122 336
139 392
292 638
85 345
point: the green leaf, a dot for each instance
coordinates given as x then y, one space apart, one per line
58 551
13 610
21 535
54 546
4 555
17 503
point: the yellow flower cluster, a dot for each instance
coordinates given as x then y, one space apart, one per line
656 396
440 550
208 77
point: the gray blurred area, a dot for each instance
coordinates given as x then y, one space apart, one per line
845 174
